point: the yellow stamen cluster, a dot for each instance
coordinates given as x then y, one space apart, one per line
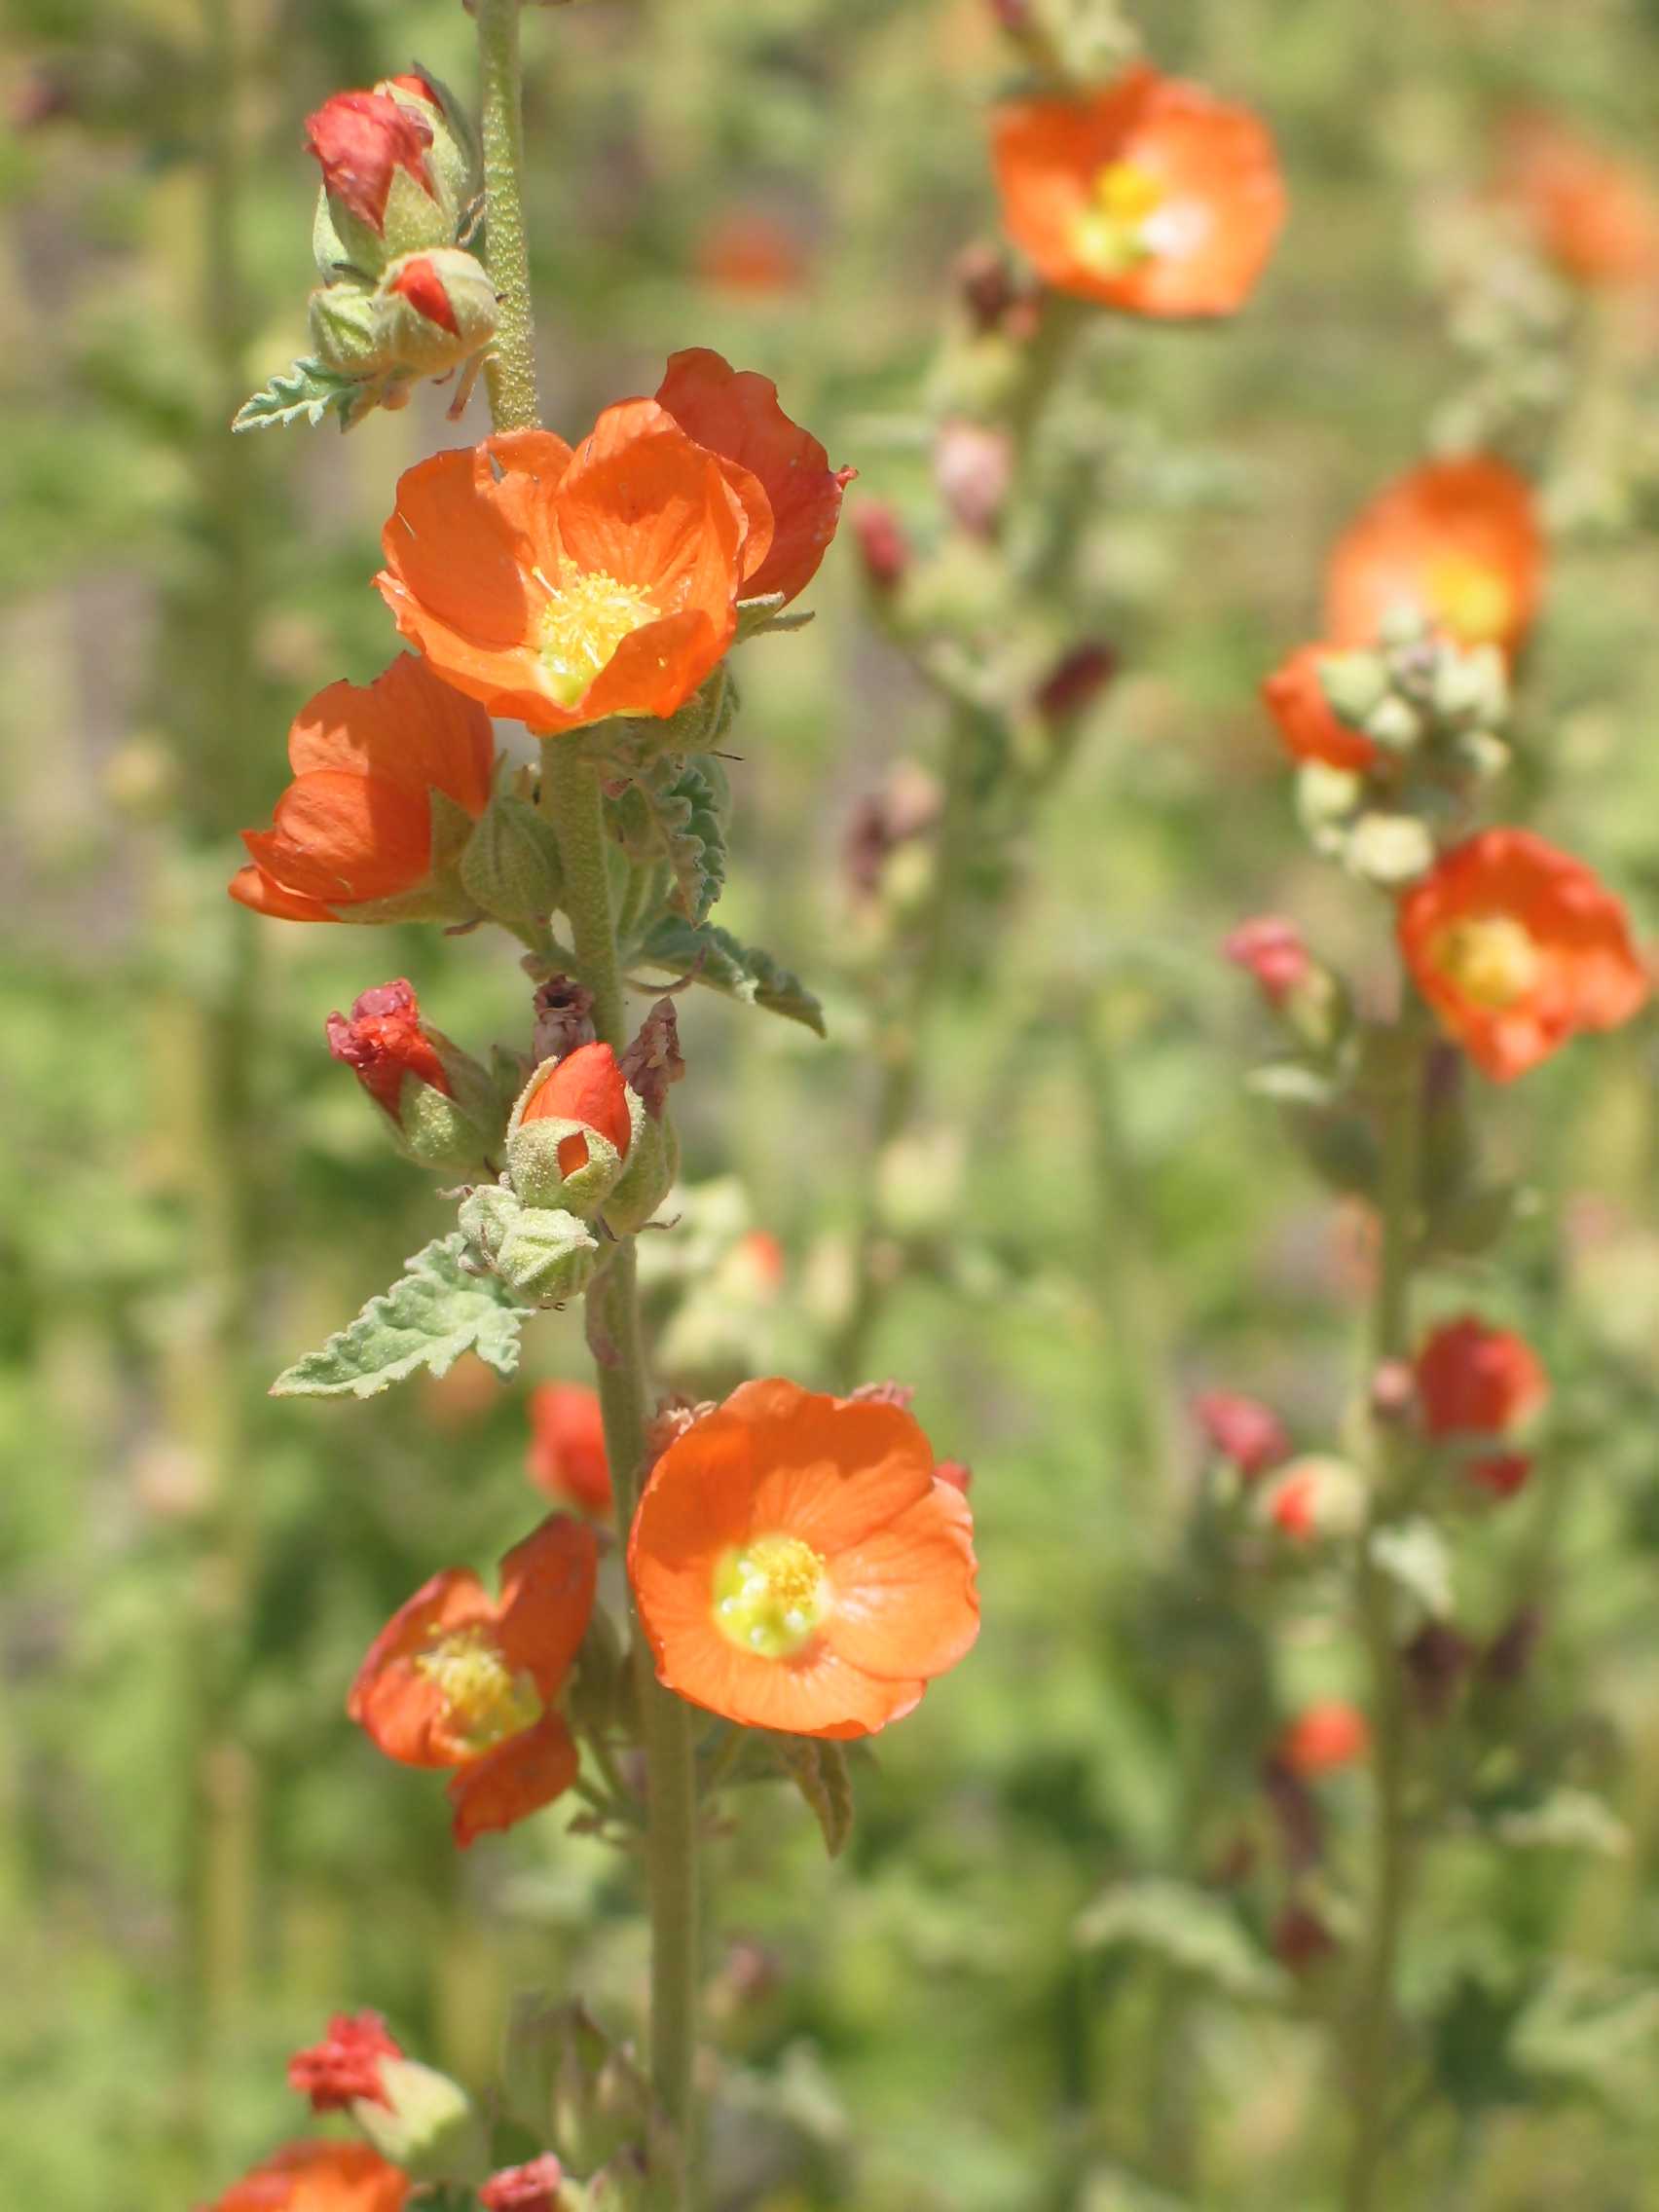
1472 600
1111 234
771 1597
486 1702
587 617
1490 958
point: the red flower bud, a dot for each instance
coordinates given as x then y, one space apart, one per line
384 1040
1243 1430
1076 681
1478 1381
1273 952
360 139
588 1087
418 281
1323 1738
524 2188
344 2069
567 1458
882 543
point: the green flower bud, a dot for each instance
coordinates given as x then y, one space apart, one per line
434 311
511 864
545 1255
346 331
652 1164
426 2124
1354 685
570 1131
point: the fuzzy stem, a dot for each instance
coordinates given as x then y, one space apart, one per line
510 370
1371 2023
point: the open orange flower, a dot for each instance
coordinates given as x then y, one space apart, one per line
457 1679
319 2177
1597 218
735 414
559 587
1309 726
1457 539
1152 195
1517 947
355 827
798 1566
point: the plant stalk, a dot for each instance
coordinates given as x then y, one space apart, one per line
569 799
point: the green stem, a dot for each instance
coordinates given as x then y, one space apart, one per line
1372 2023
509 373
569 799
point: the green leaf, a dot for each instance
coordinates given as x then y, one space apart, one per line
818 1768
427 1318
705 953
1185 1926
1413 1554
670 811
305 392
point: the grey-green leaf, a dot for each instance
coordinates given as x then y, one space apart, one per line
426 1319
303 393
1191 1928
705 953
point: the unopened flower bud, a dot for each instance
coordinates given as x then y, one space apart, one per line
345 2068
511 866
1314 1499
545 1255
1323 1738
383 194
882 545
1271 951
424 2122
974 468
524 2188
346 334
1242 1431
572 1130
441 1106
1075 681
454 153
435 310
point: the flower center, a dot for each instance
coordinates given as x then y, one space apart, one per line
1472 599
586 618
1492 960
1112 233
486 1702
771 1597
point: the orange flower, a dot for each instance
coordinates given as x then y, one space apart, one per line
319 2177
559 587
458 1679
1310 726
735 414
748 250
1517 947
1322 1738
1597 218
1475 1380
567 1446
1150 195
355 826
345 2065
586 1085
798 1566
1457 539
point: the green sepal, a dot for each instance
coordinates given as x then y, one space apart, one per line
438 1130
705 953
817 1765
647 1174
533 1154
426 1319
306 392
511 866
542 1254
765 617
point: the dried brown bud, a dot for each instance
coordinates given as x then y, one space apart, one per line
1394 1391
564 1018
1436 1660
652 1060
1508 1657
985 281
1076 681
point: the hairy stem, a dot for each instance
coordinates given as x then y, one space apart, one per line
1372 2024
570 797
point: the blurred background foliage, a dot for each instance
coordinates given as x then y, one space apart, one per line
198 1856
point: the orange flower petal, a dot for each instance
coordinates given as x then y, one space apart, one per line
391 1701
344 838
1308 724
658 667
319 2177
817 1694
253 887
547 1586
833 1470
406 727
463 538
1474 515
516 1779
643 503
904 1605
736 413
567 1456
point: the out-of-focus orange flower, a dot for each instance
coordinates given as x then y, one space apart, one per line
567 1458
533 2188
319 2177
586 1085
761 1255
1323 1738
560 587
1243 1430
797 1564
345 2065
457 1679
1597 218
747 250
383 1040
356 825
1313 1500
1309 726
1473 1382
1270 948
735 414
1458 541
1517 947
1152 195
